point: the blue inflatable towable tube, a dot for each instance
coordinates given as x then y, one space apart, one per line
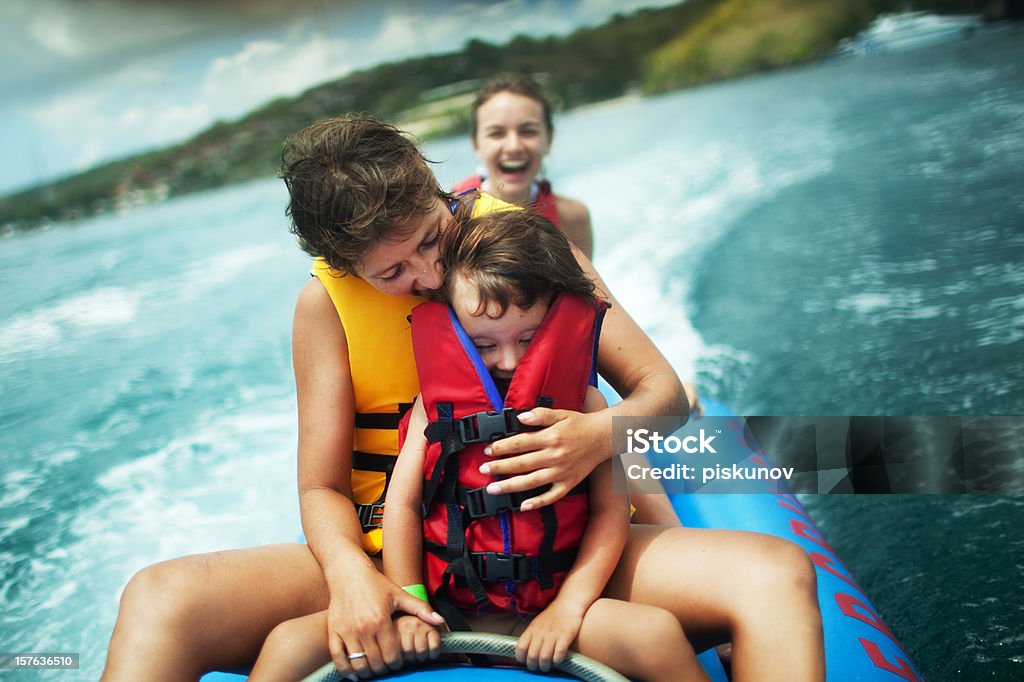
858 645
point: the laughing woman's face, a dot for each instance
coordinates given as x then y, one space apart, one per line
511 140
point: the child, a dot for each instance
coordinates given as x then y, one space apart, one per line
520 297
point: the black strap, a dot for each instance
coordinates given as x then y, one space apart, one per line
500 567
449 446
546 566
479 503
480 427
371 514
381 420
373 461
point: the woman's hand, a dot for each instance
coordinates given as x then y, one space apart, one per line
547 639
561 454
362 636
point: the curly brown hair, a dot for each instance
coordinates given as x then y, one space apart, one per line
511 257
352 183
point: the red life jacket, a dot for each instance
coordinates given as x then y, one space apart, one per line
482 553
544 200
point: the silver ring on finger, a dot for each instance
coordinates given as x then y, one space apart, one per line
356 655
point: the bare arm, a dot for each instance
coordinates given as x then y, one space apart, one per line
326 415
605 535
573 444
403 524
574 219
361 598
548 637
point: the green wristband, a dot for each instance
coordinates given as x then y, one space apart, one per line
419 591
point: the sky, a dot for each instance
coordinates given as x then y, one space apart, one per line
85 81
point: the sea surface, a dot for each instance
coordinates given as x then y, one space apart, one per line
842 238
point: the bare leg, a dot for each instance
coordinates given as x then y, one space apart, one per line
181 618
640 641
294 649
757 590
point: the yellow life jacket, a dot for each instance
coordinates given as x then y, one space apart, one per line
384 381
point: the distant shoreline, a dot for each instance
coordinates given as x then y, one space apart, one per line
648 52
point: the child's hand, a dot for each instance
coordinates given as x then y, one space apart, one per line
547 639
419 641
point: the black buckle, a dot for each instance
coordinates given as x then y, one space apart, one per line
484 427
371 516
480 503
499 567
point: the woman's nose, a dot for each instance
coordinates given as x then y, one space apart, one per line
428 274
512 141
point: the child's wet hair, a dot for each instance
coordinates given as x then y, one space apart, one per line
510 257
354 182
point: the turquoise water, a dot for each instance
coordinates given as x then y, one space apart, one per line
846 238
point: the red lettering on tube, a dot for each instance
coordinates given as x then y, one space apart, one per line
855 608
901 667
825 563
809 532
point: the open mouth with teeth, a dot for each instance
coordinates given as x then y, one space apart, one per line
513 166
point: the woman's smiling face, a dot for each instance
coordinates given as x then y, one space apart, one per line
409 265
511 140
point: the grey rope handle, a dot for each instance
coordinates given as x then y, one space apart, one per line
575 664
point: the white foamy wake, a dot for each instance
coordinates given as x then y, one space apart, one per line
224 481
87 313
108 309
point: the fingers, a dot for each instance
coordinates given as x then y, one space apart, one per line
434 643
390 651
526 442
366 655
523 646
537 653
521 464
339 657
518 484
552 495
415 606
516 445
421 644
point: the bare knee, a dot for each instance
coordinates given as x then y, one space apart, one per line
791 570
290 640
781 574
293 649
163 596
657 651
154 621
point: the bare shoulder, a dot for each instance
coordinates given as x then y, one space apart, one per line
316 325
574 219
573 213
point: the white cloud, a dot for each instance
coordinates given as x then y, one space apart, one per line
403 34
266 69
54 32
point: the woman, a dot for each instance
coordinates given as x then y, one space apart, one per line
511 130
364 200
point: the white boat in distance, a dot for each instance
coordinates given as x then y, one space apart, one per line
907 31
